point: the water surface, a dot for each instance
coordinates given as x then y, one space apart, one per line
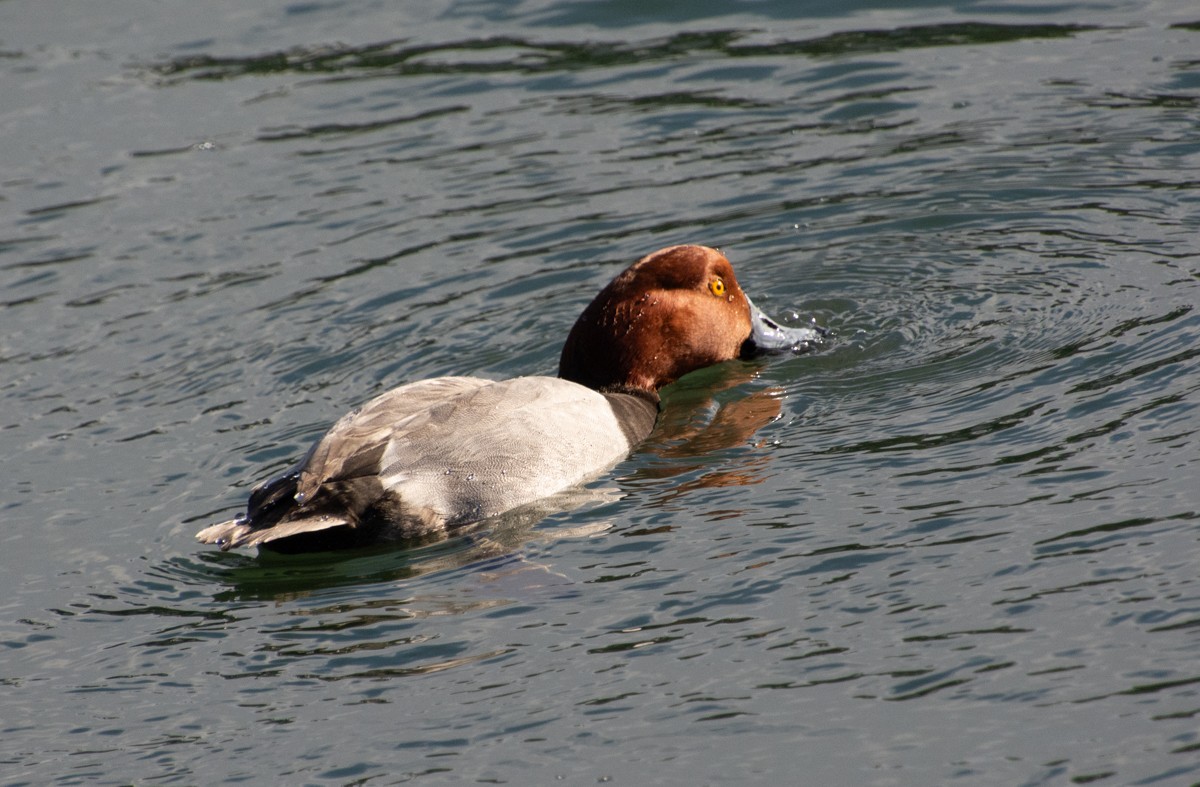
964 552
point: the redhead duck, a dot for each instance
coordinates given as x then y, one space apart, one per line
434 455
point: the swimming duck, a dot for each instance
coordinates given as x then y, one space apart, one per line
438 454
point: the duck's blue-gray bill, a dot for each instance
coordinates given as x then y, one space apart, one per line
769 336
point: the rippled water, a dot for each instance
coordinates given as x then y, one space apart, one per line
965 550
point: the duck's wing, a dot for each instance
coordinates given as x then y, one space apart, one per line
355 446
350 452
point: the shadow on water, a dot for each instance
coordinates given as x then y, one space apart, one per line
492 545
511 54
270 576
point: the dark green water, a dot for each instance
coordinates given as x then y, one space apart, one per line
965 552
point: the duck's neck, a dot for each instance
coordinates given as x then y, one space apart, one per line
636 410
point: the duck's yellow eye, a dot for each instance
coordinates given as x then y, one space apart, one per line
716 287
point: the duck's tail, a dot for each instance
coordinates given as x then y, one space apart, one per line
242 533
